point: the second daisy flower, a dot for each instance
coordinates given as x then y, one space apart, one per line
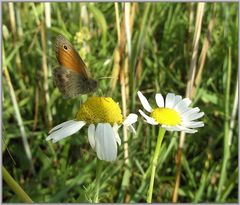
173 114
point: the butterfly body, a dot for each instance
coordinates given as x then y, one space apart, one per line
71 76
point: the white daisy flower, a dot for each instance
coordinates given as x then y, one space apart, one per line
173 114
103 117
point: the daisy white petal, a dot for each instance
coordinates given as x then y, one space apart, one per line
192 124
187 115
195 116
131 118
66 131
184 110
91 137
149 120
62 125
132 129
191 131
144 102
170 98
191 111
115 130
176 128
186 130
173 128
170 128
106 145
159 100
177 99
182 105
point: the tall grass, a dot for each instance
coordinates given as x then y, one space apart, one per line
151 47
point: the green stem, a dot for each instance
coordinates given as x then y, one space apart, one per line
154 162
98 177
15 187
226 150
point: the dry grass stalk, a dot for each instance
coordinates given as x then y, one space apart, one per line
12 20
204 51
18 115
197 32
124 71
13 24
116 66
45 75
123 81
234 114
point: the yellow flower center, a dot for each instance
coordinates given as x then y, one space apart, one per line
100 110
166 116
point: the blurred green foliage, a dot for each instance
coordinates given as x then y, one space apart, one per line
162 35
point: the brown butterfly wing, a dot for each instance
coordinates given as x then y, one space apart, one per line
71 76
72 83
68 57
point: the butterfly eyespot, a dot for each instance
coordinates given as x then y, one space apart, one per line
71 76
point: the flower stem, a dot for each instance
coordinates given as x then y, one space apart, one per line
226 145
154 162
15 187
98 176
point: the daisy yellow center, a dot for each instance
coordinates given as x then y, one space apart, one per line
166 116
100 110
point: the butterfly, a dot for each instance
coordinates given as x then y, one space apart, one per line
71 75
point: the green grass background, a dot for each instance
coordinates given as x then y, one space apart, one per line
161 45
